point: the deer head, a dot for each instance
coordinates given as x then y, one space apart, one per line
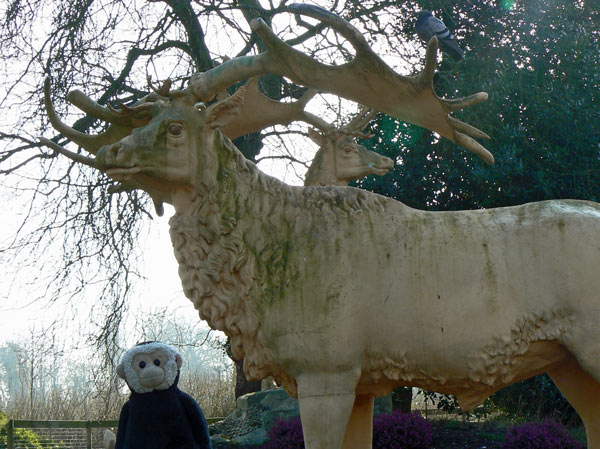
164 156
340 159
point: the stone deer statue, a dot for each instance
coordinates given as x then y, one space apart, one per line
341 294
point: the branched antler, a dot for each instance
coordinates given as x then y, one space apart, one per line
367 80
357 125
91 143
73 156
260 112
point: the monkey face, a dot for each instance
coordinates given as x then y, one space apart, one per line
150 368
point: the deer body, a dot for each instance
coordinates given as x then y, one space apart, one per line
342 294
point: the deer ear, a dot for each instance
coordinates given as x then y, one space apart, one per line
223 112
316 137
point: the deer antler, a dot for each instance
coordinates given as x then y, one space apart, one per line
260 112
92 143
121 121
359 123
164 88
367 80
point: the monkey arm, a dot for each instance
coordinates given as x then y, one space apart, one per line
196 420
122 429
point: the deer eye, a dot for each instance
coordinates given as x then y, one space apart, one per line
348 149
175 129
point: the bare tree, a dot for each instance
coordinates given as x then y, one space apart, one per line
68 207
40 380
34 362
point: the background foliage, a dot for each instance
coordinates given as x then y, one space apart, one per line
39 380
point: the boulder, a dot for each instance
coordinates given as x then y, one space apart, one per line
255 414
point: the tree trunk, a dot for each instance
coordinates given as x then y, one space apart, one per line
242 385
402 399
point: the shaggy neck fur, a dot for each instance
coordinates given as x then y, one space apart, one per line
228 244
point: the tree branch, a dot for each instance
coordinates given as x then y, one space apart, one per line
185 13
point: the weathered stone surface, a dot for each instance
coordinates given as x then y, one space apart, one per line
255 437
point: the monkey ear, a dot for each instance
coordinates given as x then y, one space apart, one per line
179 361
121 371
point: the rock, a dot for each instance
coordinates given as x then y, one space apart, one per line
217 441
257 436
255 414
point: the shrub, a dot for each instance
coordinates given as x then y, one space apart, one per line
401 431
285 434
541 435
393 431
26 439
534 399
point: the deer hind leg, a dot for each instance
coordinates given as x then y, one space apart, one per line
359 432
326 401
583 392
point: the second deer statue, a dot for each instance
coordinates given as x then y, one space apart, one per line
340 159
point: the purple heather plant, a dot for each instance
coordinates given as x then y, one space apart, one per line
402 431
540 435
394 431
285 434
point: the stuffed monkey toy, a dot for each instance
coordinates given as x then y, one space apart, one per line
158 415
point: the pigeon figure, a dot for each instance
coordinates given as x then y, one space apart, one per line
428 26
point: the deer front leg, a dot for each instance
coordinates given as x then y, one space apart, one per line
359 432
583 392
326 401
